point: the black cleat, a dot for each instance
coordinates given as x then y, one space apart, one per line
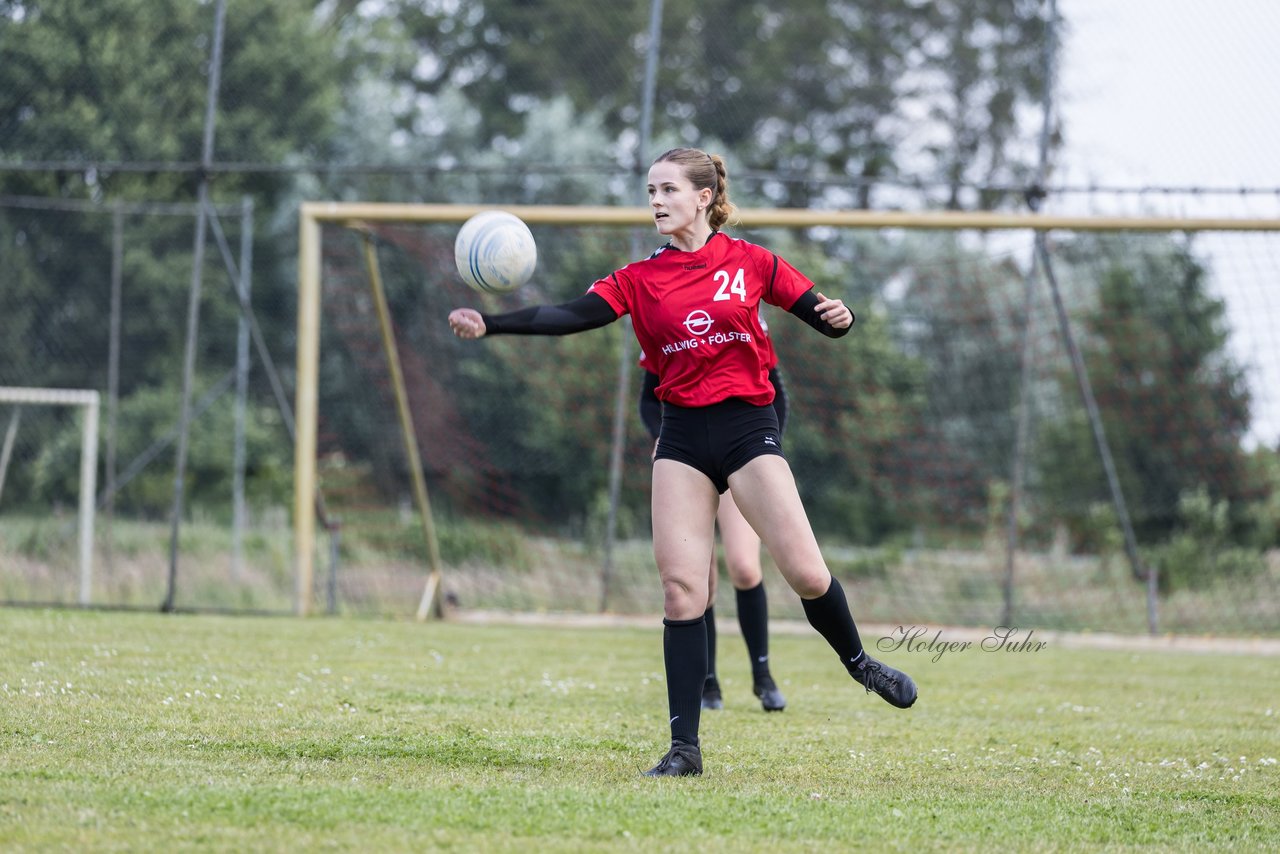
770 697
682 760
711 697
892 684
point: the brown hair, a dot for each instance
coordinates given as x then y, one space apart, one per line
706 172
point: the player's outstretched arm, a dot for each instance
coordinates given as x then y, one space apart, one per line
589 311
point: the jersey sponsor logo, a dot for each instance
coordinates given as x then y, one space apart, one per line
687 344
698 322
727 337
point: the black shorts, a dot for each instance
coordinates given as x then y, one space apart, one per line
718 440
651 407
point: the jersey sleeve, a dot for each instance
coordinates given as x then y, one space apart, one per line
586 312
613 290
806 308
783 283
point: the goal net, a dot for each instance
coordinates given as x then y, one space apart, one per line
28 416
1072 431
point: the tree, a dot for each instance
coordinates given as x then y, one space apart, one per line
855 404
1174 404
126 80
822 93
78 85
958 314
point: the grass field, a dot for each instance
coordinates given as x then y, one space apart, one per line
146 732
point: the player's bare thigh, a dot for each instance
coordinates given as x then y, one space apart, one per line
684 512
741 544
766 494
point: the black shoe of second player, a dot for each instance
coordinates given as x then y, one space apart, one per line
766 690
711 697
892 684
682 760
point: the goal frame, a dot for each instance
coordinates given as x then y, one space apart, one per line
90 401
312 216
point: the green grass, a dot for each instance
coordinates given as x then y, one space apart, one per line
145 732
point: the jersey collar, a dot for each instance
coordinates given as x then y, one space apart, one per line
700 248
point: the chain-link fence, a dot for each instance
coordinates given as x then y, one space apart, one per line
115 118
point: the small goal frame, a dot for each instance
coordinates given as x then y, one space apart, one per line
89 400
314 215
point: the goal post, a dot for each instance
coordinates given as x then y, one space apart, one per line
89 401
314 216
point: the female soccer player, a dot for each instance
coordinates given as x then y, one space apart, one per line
695 309
741 556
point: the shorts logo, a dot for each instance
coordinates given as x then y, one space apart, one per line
698 322
769 440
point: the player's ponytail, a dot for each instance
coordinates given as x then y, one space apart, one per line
721 210
706 172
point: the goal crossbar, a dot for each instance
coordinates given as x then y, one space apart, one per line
314 215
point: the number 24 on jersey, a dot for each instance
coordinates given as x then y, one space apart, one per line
727 289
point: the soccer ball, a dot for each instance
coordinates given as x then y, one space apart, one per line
495 252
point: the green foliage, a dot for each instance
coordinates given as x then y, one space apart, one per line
1098 532
481 94
467 90
41 538
78 85
959 316
1263 510
494 544
124 80
827 89
398 536
851 402
865 565
1200 553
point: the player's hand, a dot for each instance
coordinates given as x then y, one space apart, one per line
834 312
466 323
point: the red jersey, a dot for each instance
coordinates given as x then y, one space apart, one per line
697 316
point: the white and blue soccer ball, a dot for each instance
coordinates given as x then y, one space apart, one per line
495 252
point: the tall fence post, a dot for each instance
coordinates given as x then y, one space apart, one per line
113 373
193 307
244 285
1023 436
624 347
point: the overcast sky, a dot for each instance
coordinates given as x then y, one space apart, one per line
1182 92
1163 93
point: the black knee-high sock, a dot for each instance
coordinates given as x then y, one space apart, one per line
711 645
684 649
830 615
753 618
